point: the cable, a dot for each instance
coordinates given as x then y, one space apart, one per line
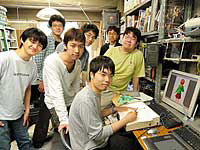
143 133
85 14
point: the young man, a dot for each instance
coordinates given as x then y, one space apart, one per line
86 127
113 37
91 32
56 24
128 60
61 75
17 72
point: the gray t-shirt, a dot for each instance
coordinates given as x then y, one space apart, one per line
86 127
15 76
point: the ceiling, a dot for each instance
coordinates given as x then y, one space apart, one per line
87 5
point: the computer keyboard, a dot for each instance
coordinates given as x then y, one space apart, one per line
188 135
167 118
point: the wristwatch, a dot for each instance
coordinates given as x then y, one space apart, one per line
113 109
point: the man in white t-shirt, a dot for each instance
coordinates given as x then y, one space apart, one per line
61 76
17 72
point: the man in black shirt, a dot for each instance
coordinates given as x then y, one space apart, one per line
113 36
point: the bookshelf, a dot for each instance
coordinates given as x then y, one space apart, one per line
159 20
178 52
144 15
8 38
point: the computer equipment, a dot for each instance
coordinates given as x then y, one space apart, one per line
189 137
167 119
153 131
181 91
183 138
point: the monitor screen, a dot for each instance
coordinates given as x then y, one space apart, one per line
181 91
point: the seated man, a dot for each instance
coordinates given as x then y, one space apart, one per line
86 128
113 37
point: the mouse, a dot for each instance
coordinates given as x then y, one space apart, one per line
153 131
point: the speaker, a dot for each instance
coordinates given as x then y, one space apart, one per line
110 18
152 54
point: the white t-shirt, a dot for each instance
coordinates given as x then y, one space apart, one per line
60 85
15 76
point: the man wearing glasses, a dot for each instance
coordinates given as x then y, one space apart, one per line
128 60
56 24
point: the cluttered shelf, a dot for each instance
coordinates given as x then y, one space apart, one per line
154 33
136 8
179 40
181 59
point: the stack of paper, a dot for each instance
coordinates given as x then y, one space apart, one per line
146 117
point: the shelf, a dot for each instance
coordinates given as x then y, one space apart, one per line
137 7
13 47
181 60
9 39
9 28
164 78
149 79
150 33
179 40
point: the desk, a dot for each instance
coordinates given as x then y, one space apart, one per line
138 133
163 131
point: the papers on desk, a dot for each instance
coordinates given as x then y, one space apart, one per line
142 98
146 117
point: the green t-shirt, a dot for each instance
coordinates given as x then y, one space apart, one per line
127 66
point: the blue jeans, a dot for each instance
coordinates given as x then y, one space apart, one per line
15 129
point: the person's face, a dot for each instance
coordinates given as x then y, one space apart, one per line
101 80
32 47
57 28
75 49
112 36
129 41
89 38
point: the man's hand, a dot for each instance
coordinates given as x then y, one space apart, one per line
41 87
122 109
63 126
26 119
1 124
131 116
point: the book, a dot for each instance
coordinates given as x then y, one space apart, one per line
146 117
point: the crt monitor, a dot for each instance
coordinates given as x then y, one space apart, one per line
181 91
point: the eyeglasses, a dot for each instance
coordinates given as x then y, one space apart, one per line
57 25
130 37
90 36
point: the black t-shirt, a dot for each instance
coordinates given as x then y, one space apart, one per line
56 44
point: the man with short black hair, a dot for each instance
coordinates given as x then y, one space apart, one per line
56 23
113 37
128 60
17 72
91 33
86 128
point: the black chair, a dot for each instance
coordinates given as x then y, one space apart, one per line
65 139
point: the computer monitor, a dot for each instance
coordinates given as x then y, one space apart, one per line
181 91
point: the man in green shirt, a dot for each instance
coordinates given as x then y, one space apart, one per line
128 60
129 64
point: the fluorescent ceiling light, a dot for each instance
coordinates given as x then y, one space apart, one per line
46 13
